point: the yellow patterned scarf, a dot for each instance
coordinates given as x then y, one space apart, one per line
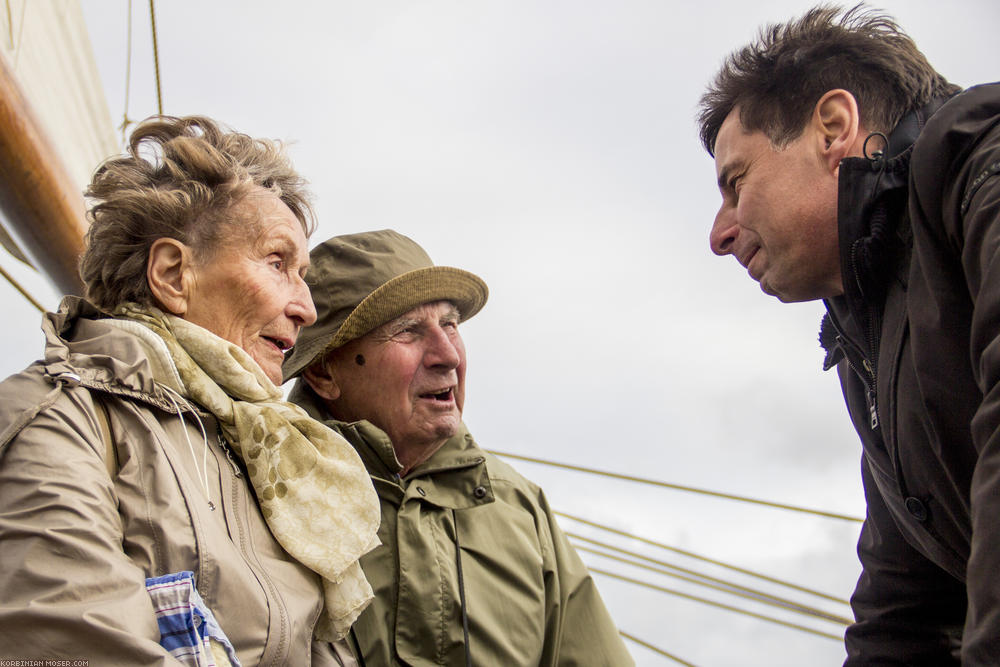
312 487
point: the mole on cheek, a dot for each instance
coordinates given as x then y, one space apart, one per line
360 360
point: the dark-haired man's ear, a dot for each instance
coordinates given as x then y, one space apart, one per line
319 377
838 126
168 272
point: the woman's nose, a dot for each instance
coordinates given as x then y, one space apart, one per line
301 307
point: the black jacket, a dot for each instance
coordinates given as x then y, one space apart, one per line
916 339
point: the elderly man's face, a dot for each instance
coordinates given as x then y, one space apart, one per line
407 377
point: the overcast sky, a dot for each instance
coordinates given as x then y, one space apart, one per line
550 147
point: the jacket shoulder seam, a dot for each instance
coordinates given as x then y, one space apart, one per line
977 183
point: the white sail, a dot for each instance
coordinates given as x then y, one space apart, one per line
46 49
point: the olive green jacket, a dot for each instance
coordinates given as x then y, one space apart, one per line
530 600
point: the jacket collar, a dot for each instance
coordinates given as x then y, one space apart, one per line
454 477
373 446
873 233
871 207
81 343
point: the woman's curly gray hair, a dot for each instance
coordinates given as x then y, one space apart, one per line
180 178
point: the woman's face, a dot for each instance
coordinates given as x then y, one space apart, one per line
251 290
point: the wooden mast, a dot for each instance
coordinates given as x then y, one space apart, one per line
40 203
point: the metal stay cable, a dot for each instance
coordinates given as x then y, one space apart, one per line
679 487
706 559
16 44
156 59
10 26
21 289
128 73
730 588
720 605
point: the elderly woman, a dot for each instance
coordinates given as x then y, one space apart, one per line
159 502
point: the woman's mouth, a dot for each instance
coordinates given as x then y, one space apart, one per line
283 345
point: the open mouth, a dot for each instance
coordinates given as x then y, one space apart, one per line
283 345
445 395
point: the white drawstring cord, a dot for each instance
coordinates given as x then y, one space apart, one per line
203 469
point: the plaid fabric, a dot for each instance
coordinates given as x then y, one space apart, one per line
187 626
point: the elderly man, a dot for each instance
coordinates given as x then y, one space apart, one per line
473 568
852 171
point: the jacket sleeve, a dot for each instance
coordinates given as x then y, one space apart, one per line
579 630
68 589
907 610
955 206
979 207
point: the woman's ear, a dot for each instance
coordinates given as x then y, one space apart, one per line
837 124
168 273
318 376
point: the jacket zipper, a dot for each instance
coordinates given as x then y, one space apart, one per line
240 511
871 397
870 367
866 373
229 456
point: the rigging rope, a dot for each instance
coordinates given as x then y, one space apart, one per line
156 59
10 26
128 75
21 289
706 559
20 32
679 487
751 594
638 641
720 605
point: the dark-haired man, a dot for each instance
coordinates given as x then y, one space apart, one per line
851 171
473 568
